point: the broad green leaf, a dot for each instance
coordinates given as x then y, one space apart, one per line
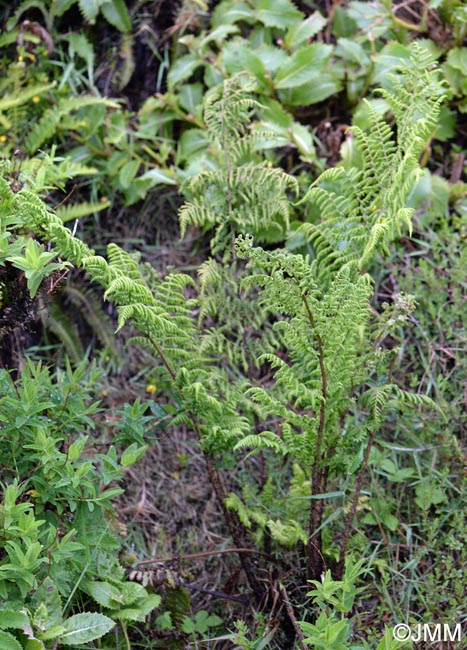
34 644
238 57
343 24
364 111
142 184
12 618
252 63
116 13
272 57
131 455
446 127
390 521
139 610
277 13
302 31
133 591
52 633
128 172
190 97
182 69
302 65
231 11
191 141
219 34
8 642
83 628
105 594
318 88
386 60
352 51
60 6
273 111
157 177
111 493
188 625
455 70
428 494
302 139
457 58
370 17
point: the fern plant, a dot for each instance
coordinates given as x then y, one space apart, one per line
329 396
333 357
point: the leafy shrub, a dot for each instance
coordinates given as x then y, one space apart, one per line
57 538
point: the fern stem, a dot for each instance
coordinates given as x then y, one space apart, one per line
235 526
237 530
353 510
163 358
318 474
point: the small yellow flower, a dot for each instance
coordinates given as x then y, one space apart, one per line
20 58
36 99
151 388
3 138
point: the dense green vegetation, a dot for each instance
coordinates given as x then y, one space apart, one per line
232 291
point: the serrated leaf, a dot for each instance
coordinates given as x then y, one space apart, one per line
277 13
182 69
302 66
8 642
105 594
230 12
12 618
82 628
116 13
90 9
139 610
300 32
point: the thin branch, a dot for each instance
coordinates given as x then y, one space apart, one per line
201 554
291 615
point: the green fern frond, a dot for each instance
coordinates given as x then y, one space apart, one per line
261 441
45 128
57 322
78 210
